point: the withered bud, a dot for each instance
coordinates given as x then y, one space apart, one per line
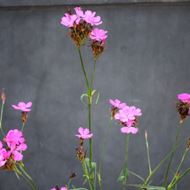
80 32
114 110
188 143
9 165
73 174
3 96
24 117
81 153
97 48
183 109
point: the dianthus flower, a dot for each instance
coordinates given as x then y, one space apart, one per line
61 188
84 133
68 20
125 115
183 106
91 18
2 155
16 144
22 106
99 35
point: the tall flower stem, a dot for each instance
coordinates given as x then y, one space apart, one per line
1 118
89 95
148 153
172 155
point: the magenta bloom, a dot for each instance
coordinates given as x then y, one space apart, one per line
184 97
128 130
84 133
16 143
99 35
117 103
90 18
62 188
24 107
68 20
2 155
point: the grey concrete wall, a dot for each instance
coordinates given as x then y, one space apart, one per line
146 63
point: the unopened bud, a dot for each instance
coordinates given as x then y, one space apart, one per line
3 96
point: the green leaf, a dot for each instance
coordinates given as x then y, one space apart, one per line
143 187
82 98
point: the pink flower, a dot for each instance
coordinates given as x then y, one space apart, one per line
16 142
90 18
128 130
24 107
68 20
117 103
84 133
184 97
99 35
14 137
57 188
2 155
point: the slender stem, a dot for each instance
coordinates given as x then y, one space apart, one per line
179 179
93 74
171 157
89 93
1 118
158 166
179 166
148 152
23 125
126 151
84 167
83 69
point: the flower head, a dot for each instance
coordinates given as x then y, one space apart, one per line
68 20
91 18
99 35
84 133
61 188
24 107
128 130
183 106
184 97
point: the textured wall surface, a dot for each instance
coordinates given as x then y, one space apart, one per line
146 63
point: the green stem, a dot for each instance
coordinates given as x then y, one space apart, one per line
158 166
89 93
171 157
83 69
148 153
1 118
126 151
86 173
179 166
179 179
23 125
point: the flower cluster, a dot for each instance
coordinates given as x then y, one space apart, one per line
126 115
61 188
12 151
183 106
81 25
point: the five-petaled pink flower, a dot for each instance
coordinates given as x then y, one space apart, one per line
117 103
91 18
68 20
128 130
99 35
84 133
24 107
184 97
